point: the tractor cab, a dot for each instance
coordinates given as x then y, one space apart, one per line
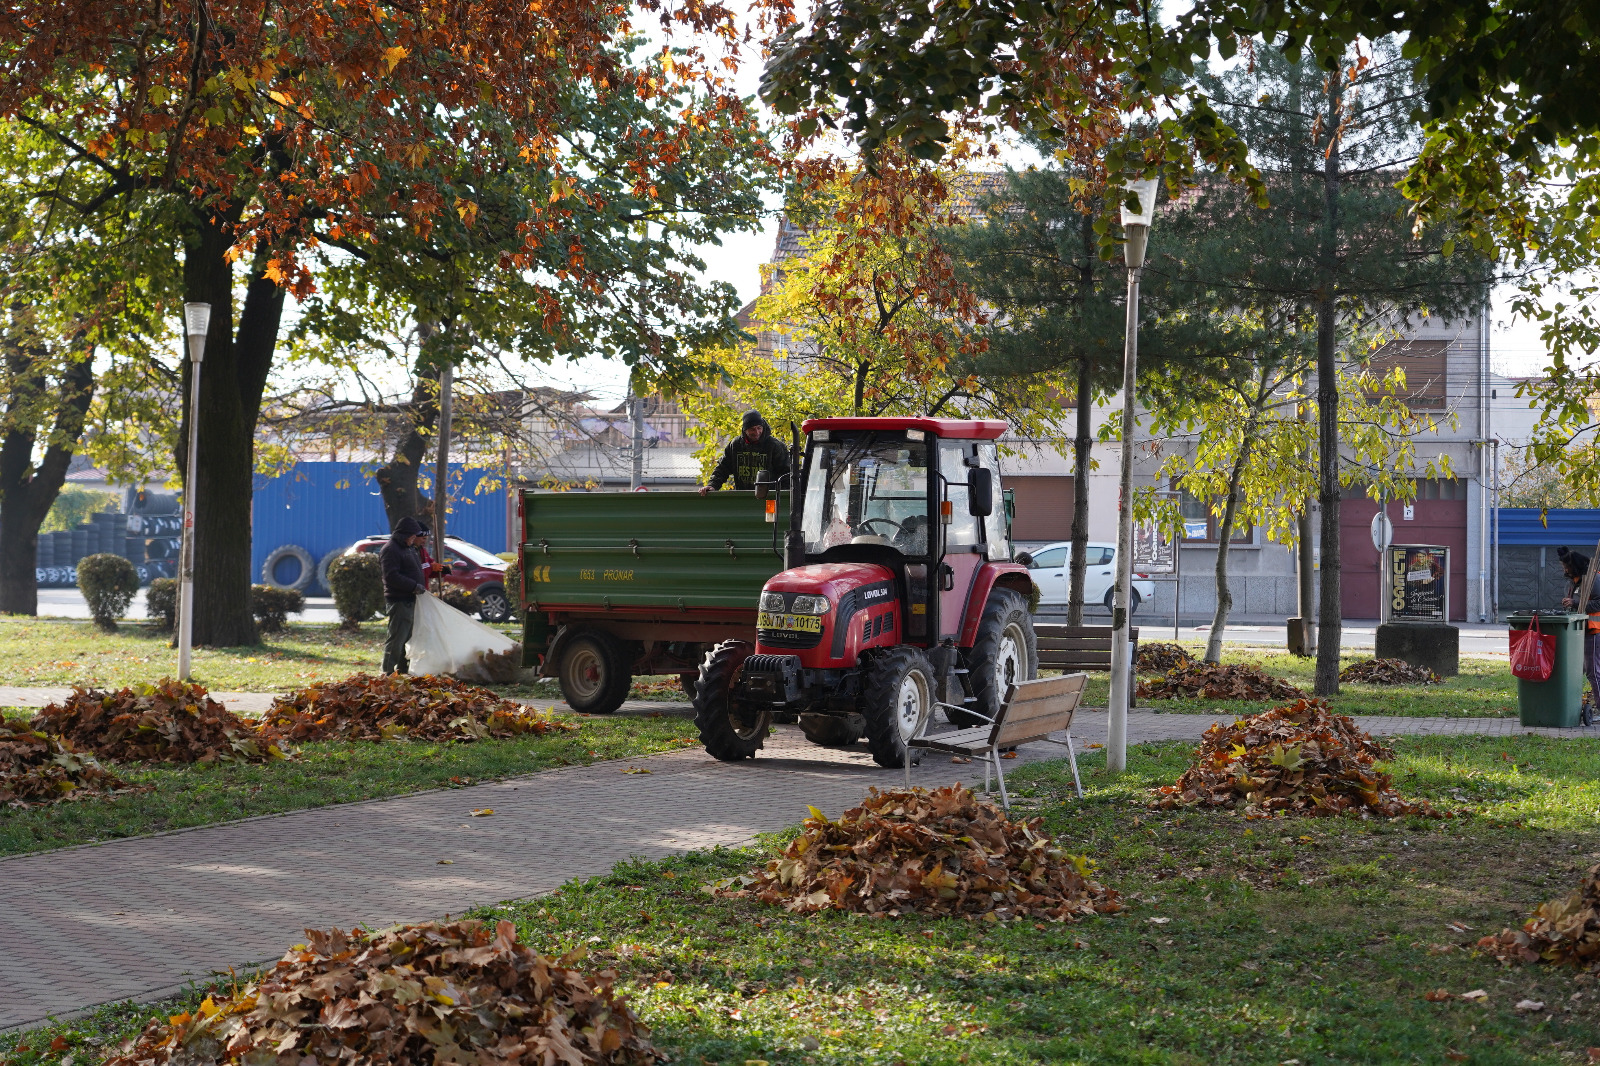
900 594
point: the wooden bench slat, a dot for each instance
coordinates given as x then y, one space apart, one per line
1072 644
1052 629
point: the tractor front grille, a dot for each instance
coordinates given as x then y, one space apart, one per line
788 638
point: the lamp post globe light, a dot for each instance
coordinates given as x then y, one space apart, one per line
1136 227
196 322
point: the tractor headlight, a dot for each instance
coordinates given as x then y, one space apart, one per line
810 605
772 601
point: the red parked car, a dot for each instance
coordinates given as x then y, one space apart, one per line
471 567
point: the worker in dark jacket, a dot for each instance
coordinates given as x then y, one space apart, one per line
753 451
403 577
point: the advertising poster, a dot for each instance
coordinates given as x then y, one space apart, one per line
1419 582
1154 550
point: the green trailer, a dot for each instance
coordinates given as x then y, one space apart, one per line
617 584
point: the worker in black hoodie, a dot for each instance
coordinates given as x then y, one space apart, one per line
403 577
754 450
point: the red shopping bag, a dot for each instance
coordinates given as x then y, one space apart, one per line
1533 653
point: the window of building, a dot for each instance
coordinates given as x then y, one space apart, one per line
1200 524
1424 365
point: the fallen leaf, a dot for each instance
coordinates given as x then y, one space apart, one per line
1530 1004
637 770
483 812
938 852
1475 994
471 979
445 862
959 759
1439 995
1459 927
1455 1056
1158 921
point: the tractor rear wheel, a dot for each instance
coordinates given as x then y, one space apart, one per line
830 731
897 697
1005 654
729 730
595 673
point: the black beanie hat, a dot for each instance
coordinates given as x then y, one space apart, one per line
751 418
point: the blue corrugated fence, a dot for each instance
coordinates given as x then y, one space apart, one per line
1573 525
326 507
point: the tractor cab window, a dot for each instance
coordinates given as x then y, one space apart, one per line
867 489
956 457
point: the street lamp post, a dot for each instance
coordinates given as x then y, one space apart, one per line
1136 225
196 321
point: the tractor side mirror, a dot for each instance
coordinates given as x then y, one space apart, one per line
764 484
980 492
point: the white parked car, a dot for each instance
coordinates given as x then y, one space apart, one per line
1049 567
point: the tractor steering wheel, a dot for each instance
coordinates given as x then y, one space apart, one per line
867 524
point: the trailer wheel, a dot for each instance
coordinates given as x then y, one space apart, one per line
594 673
729 730
1005 654
898 697
832 731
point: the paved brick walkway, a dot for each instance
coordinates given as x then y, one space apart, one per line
133 919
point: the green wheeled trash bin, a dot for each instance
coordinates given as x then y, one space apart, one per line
1559 700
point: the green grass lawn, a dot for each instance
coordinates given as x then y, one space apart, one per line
324 773
1308 940
1483 689
51 652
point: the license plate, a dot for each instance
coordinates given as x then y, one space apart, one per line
803 623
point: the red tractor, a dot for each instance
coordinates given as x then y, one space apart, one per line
900 593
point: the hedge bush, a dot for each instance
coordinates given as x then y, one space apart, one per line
161 603
109 582
272 606
464 600
514 590
357 585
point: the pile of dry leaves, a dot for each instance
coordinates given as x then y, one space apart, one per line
1562 930
1213 681
1298 759
1388 672
458 992
170 721
363 707
937 853
36 768
1158 658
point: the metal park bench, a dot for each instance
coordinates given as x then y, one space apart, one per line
1035 710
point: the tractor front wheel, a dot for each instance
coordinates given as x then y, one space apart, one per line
730 730
897 698
1005 654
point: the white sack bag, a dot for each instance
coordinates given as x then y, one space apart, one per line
445 641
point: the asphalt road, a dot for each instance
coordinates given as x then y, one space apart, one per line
1359 634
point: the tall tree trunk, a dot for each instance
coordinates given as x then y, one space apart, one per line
1081 444
232 380
1230 510
397 479
27 491
1305 565
1330 622
861 385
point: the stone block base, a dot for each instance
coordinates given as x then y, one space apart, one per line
1437 647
